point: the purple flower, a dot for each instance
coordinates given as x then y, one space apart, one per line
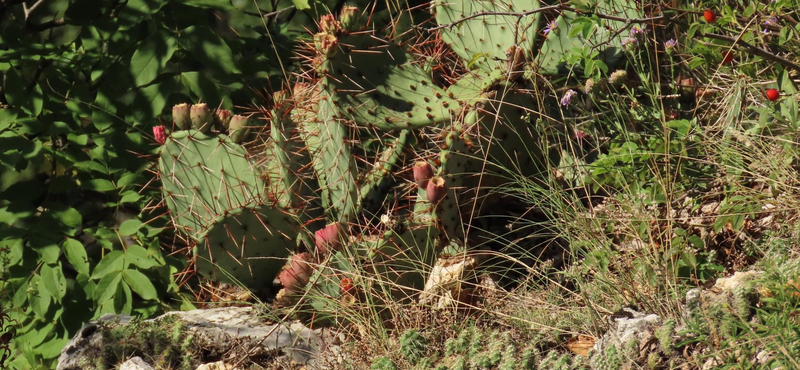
636 30
630 43
550 26
568 97
670 45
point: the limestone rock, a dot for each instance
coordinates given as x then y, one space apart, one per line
135 363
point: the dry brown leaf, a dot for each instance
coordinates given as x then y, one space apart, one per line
581 344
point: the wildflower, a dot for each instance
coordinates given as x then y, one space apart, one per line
568 97
618 77
630 43
709 16
589 86
636 31
550 26
670 45
580 135
771 21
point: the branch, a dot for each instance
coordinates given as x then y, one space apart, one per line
755 50
47 25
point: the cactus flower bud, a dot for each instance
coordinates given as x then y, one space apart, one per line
160 133
327 23
436 190
180 116
237 128
223 118
201 117
326 44
351 19
422 173
329 238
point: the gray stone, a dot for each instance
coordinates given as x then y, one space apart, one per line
632 328
229 332
135 363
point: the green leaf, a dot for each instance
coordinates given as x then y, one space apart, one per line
301 4
19 93
130 196
107 287
76 255
41 302
100 185
151 57
68 216
216 4
207 47
111 262
140 284
54 281
130 227
140 257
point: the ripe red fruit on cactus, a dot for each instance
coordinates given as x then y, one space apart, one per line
346 285
773 94
436 189
422 173
160 133
727 57
709 16
298 273
329 238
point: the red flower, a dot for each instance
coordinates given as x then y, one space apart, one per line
161 134
773 94
709 16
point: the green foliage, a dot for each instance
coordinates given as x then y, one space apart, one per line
383 363
413 346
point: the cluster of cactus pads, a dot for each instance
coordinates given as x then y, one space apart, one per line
368 163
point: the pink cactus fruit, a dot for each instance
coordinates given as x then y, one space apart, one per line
298 273
160 133
436 189
422 173
329 238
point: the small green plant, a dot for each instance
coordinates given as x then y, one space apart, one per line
413 346
383 363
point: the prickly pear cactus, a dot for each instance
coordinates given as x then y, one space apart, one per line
485 41
203 177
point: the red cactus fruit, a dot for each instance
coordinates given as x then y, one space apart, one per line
422 173
436 189
346 285
709 16
160 133
773 94
329 238
180 116
727 58
298 273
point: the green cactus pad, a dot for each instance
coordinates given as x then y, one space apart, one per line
483 41
203 177
377 84
559 41
249 244
287 160
374 181
332 162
